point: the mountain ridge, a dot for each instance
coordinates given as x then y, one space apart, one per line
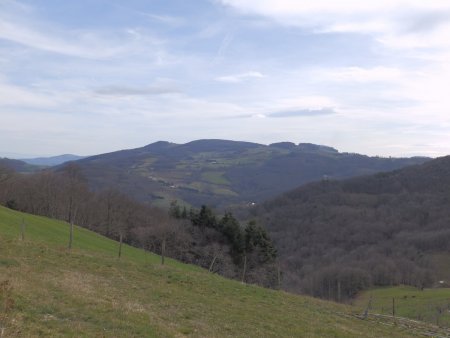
52 160
19 165
221 173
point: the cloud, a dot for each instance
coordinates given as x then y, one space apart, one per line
288 113
13 95
168 20
226 41
78 44
360 74
426 22
136 91
302 113
388 20
240 77
288 10
20 25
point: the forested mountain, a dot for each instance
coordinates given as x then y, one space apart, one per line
18 165
220 173
337 237
53 160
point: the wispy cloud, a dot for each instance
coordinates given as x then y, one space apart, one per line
78 44
16 96
20 26
136 91
389 21
226 41
169 20
360 74
302 113
288 113
236 78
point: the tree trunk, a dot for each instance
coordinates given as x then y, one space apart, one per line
279 276
71 235
120 245
108 220
393 307
366 312
244 270
163 250
329 289
339 290
212 263
22 229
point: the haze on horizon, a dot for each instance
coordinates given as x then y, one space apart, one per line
89 77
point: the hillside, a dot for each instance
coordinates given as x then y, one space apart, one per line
48 291
221 173
18 165
338 237
52 160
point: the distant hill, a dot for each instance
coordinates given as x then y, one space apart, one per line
337 237
221 173
52 161
18 165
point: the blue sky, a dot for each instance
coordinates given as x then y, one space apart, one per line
92 76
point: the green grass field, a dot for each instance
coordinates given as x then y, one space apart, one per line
215 177
430 305
48 291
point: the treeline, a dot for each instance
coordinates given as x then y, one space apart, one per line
220 244
336 238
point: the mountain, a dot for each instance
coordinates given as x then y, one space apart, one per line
338 237
50 291
221 173
18 165
52 161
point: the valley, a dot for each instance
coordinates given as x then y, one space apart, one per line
340 239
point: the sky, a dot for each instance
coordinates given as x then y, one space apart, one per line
94 76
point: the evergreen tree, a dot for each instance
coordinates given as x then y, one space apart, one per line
175 210
204 219
184 214
257 238
232 230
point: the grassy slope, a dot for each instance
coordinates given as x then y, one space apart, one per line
431 305
89 292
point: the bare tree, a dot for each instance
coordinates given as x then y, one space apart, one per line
22 229
75 190
163 230
244 270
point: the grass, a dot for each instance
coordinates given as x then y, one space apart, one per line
215 177
88 292
223 191
430 305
